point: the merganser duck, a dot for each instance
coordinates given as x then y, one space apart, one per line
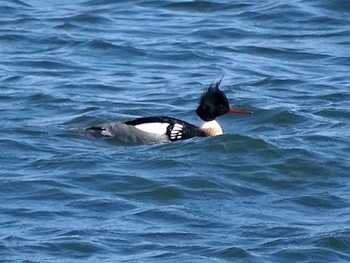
151 130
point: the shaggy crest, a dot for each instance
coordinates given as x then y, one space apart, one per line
213 103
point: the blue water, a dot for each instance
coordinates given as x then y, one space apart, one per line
273 188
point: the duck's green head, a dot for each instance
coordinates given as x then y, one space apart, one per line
214 103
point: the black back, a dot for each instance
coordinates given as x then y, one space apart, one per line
177 129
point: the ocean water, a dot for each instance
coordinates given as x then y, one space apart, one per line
273 188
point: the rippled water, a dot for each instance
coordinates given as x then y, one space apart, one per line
274 188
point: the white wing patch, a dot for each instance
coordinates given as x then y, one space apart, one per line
153 127
106 133
176 132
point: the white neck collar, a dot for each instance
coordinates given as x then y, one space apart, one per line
212 128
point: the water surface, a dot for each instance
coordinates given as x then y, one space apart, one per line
273 188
